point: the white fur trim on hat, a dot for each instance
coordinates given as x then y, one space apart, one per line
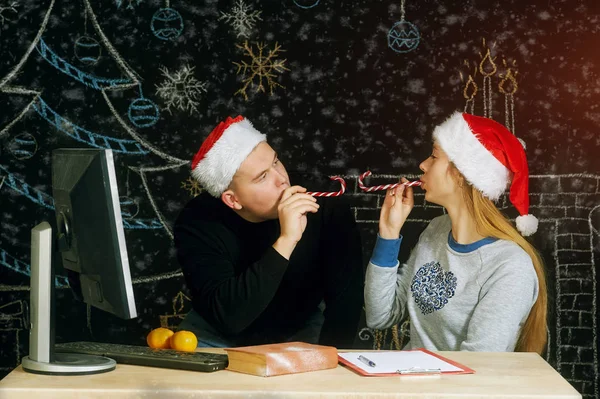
527 224
216 170
472 159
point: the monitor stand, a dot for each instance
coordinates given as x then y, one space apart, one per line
42 359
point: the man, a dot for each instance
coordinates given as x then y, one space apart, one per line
261 257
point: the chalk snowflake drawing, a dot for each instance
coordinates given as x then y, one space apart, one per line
181 90
5 10
263 68
241 18
192 187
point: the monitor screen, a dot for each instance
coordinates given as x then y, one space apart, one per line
90 233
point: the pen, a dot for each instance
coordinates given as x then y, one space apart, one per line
417 370
366 361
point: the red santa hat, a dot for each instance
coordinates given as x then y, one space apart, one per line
490 157
222 153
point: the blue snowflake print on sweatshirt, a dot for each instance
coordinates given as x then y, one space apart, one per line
432 287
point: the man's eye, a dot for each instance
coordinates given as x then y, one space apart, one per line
263 176
276 162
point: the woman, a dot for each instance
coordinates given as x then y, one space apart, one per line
472 282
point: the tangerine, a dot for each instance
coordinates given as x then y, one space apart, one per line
159 338
184 341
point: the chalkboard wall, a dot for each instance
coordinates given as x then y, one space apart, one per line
338 86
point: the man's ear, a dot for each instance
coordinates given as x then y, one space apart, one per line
228 197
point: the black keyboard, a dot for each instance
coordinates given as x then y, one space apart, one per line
145 356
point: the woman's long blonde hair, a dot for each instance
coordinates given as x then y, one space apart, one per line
491 222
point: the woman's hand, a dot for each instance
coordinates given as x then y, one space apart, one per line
396 207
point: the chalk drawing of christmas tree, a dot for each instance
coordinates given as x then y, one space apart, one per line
61 97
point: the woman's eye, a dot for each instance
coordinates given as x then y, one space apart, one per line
263 176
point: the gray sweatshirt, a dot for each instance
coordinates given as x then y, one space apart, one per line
470 297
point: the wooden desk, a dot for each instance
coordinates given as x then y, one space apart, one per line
498 375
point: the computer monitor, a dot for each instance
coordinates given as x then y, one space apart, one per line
91 242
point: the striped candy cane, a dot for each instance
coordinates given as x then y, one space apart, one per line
330 194
383 186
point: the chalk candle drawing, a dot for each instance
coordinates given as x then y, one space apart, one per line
404 36
241 18
263 67
487 68
180 89
469 91
508 86
167 23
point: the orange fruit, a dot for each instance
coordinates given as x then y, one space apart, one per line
184 341
159 338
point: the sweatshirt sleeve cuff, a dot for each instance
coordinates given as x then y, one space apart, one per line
385 253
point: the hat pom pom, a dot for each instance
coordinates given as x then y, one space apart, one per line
527 224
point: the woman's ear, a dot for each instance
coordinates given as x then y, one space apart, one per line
457 176
460 179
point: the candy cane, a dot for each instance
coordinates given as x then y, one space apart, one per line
330 194
383 186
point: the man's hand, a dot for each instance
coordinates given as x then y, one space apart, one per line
292 210
396 207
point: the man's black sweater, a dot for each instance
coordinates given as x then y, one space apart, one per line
246 290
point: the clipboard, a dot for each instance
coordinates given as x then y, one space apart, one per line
398 363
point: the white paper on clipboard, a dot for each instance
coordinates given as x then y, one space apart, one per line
390 362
